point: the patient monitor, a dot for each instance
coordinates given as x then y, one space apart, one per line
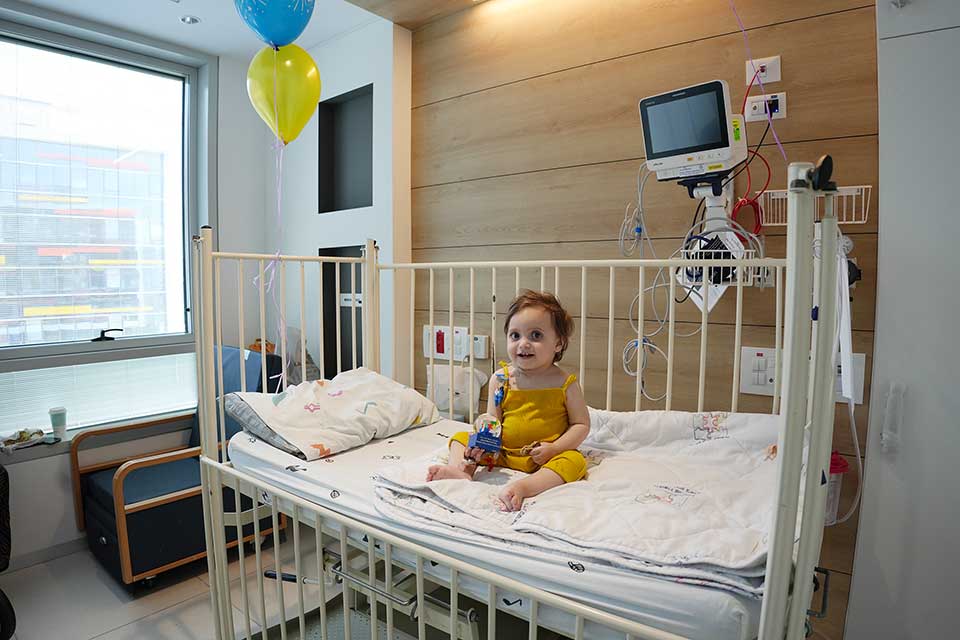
692 132
691 135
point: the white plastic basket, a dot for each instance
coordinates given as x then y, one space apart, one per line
852 206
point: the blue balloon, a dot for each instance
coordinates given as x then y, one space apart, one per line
276 22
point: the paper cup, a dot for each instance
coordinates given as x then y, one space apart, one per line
58 420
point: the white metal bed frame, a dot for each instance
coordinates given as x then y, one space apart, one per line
807 401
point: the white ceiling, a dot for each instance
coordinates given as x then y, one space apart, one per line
221 31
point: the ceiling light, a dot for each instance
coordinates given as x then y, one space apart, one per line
189 19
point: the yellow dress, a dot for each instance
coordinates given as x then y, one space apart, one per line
531 416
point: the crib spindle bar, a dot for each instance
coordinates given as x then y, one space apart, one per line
640 345
491 611
413 328
320 330
421 612
372 577
432 346
578 628
336 305
454 601
737 341
353 316
556 282
240 332
278 567
282 327
321 575
534 610
303 323
347 591
583 327
218 313
264 385
705 280
516 279
470 398
388 582
450 341
543 278
778 339
671 334
238 501
259 556
298 569
610 329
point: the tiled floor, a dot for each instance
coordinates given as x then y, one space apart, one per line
74 597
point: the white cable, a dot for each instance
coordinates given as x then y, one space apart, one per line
856 451
630 351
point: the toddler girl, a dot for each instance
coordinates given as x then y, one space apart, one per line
542 409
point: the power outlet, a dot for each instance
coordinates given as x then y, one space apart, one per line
758 106
769 69
442 344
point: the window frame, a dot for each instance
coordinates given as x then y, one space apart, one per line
69 36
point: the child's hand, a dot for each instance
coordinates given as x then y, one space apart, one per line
542 453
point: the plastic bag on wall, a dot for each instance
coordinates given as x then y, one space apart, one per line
463 377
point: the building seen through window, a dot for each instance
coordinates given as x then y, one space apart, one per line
91 199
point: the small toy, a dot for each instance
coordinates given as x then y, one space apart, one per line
486 437
498 394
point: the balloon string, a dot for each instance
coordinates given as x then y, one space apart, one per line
270 271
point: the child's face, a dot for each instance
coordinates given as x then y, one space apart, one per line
532 341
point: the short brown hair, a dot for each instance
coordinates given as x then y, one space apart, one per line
562 322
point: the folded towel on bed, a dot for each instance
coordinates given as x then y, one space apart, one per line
319 418
694 491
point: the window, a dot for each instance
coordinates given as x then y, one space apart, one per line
95 147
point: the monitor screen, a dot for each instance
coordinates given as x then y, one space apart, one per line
684 121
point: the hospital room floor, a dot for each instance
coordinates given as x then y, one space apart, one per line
74 597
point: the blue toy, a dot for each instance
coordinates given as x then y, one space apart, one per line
498 394
487 438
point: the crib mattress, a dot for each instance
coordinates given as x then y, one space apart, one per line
343 483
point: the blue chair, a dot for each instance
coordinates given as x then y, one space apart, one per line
144 515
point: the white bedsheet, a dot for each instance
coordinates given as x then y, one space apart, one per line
686 495
343 482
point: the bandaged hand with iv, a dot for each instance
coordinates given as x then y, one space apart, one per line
539 409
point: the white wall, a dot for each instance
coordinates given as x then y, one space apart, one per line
244 153
377 53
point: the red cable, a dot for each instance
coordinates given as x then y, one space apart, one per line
753 202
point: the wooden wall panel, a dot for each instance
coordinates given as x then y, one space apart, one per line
588 114
587 203
509 40
527 143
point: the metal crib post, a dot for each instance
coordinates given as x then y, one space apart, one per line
796 358
822 416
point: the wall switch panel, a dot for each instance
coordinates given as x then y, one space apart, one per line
442 344
769 69
757 366
346 299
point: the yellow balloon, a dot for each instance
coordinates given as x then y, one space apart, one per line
284 88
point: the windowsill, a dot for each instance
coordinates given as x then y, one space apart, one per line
39 451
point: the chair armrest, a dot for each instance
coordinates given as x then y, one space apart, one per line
79 438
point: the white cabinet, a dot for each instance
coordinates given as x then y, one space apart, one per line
902 17
907 562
